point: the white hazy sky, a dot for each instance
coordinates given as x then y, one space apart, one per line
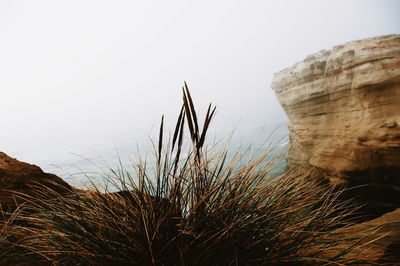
81 74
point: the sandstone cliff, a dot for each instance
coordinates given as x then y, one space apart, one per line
344 110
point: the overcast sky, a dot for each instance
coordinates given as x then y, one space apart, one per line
81 74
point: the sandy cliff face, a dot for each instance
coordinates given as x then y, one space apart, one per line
344 110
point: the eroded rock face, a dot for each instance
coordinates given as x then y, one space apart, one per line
344 110
19 177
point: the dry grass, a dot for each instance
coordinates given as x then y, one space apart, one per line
192 207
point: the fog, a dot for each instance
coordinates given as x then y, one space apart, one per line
82 76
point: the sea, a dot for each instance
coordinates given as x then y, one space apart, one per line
93 167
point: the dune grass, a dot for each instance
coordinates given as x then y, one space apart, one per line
4 234
193 206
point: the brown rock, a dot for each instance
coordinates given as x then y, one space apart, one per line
379 239
19 177
344 110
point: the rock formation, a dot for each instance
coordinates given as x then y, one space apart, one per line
18 177
344 110
379 239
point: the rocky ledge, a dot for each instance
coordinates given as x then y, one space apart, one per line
19 179
344 110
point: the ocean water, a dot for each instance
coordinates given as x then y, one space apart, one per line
94 164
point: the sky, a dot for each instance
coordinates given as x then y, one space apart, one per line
79 77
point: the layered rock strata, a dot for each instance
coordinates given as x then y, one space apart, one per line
344 110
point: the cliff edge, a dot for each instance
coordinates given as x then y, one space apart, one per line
344 110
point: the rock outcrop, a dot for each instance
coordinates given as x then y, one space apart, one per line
379 239
344 110
19 178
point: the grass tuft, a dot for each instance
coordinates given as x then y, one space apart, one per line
193 206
